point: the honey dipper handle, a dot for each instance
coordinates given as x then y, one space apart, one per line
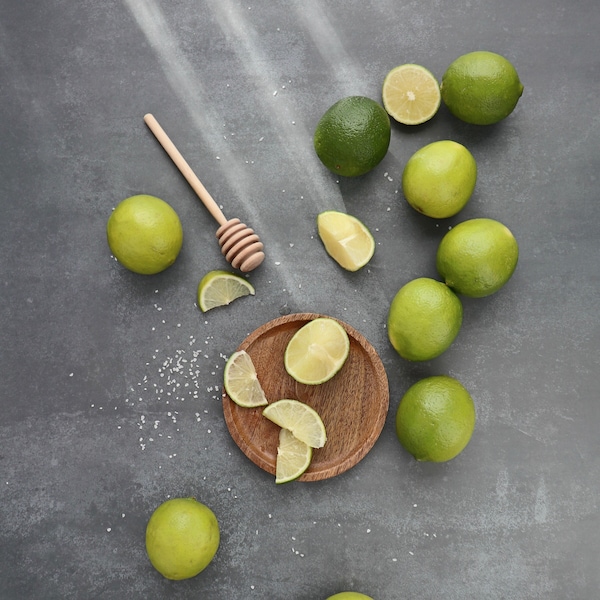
185 169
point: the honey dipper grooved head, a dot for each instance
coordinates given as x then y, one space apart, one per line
240 245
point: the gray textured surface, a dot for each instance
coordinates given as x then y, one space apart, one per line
109 381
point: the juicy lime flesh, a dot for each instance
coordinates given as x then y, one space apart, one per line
300 419
481 88
411 94
293 457
353 136
317 351
435 419
182 537
346 239
241 381
220 288
144 234
438 180
477 257
425 317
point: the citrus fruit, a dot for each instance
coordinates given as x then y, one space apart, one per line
300 419
218 288
425 317
353 136
477 257
317 351
346 239
182 537
293 457
439 179
435 419
481 87
144 234
241 382
349 596
411 94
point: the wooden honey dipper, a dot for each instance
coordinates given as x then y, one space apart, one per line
239 244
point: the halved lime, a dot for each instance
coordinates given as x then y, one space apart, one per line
300 419
347 240
317 351
411 94
241 382
293 457
218 288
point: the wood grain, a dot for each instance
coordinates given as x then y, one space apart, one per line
353 404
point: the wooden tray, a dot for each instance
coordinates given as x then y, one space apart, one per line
353 404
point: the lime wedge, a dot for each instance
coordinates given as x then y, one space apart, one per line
218 288
317 351
411 94
347 240
300 419
241 382
293 457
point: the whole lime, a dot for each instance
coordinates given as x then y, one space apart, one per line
425 317
439 179
144 234
435 419
349 596
182 537
353 136
477 257
481 87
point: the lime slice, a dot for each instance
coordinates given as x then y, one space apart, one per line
317 351
241 382
346 239
218 288
298 418
411 94
293 457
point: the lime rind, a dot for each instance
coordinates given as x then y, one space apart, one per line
220 288
241 381
293 457
300 419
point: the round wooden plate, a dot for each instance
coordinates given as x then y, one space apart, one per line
353 404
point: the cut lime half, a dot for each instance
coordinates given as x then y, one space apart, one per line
317 351
411 94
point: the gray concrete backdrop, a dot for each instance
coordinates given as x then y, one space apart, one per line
110 381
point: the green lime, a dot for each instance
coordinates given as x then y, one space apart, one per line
353 136
349 596
481 87
477 257
439 179
424 319
182 537
435 419
144 234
